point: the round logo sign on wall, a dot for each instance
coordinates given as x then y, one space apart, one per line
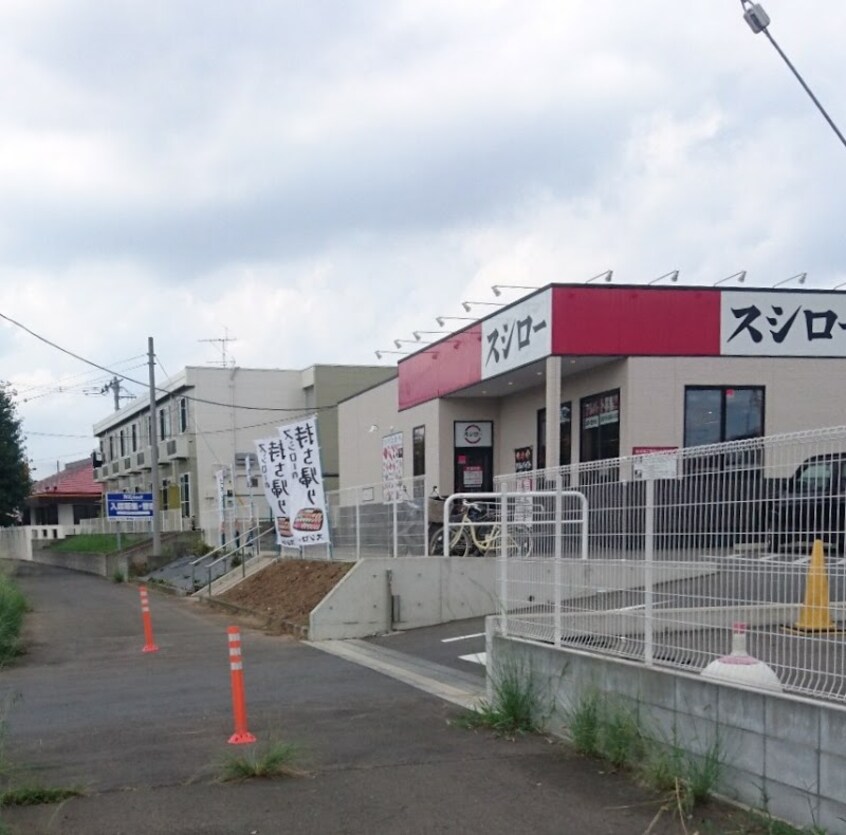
472 434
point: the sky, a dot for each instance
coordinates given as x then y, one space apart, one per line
316 179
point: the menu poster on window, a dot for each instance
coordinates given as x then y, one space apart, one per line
523 462
472 477
393 467
600 411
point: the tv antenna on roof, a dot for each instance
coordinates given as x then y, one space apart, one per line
225 361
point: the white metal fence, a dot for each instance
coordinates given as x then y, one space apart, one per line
683 544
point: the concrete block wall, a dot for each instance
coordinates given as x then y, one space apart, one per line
785 753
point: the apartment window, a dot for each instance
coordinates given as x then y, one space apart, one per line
600 435
122 442
418 450
185 494
164 423
565 435
714 414
183 414
135 437
111 447
149 430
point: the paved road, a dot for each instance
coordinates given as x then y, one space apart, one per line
142 733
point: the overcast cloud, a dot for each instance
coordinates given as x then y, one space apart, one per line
323 177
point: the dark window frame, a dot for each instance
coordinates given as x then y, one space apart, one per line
585 400
723 389
418 455
540 425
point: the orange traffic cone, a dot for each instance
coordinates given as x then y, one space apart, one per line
815 615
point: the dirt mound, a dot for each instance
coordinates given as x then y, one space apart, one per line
287 591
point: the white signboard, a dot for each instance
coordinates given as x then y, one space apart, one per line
477 433
660 465
783 324
393 467
307 503
274 479
517 336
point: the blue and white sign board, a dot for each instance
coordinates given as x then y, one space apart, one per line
129 505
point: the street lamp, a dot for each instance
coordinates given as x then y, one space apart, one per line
498 288
741 277
606 276
468 305
800 279
672 277
758 21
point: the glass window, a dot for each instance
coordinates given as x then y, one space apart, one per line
418 450
135 437
185 494
164 423
565 436
183 414
714 414
122 442
600 435
111 447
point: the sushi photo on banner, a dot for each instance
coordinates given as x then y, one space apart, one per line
307 499
274 478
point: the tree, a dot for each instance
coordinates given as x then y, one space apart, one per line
15 483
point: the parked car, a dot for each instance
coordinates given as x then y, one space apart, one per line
810 505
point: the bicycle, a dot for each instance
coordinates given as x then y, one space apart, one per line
476 532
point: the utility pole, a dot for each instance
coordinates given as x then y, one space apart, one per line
154 452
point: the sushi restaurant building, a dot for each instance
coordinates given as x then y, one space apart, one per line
580 373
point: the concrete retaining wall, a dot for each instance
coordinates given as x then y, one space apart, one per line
786 752
430 590
421 591
15 543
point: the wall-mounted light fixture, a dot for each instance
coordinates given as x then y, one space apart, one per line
672 277
799 278
468 305
498 288
741 277
606 276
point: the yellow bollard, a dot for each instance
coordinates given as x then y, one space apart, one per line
815 615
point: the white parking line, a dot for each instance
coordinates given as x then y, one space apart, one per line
463 637
475 658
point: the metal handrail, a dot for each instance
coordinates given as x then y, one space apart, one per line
252 535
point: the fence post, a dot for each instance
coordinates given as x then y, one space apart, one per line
503 559
357 525
648 566
395 541
557 529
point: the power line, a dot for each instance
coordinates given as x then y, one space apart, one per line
192 397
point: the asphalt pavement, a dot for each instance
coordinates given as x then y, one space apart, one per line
143 734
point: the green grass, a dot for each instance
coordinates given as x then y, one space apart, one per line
95 543
12 608
276 759
515 707
36 796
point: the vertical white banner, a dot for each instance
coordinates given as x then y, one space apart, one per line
307 502
274 477
220 485
393 467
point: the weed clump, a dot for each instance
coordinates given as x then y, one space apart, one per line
276 759
515 708
12 608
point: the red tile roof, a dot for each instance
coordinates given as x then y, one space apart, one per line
76 479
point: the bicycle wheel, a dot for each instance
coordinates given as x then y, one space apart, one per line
458 545
519 541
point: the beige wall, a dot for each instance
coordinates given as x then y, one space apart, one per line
799 393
